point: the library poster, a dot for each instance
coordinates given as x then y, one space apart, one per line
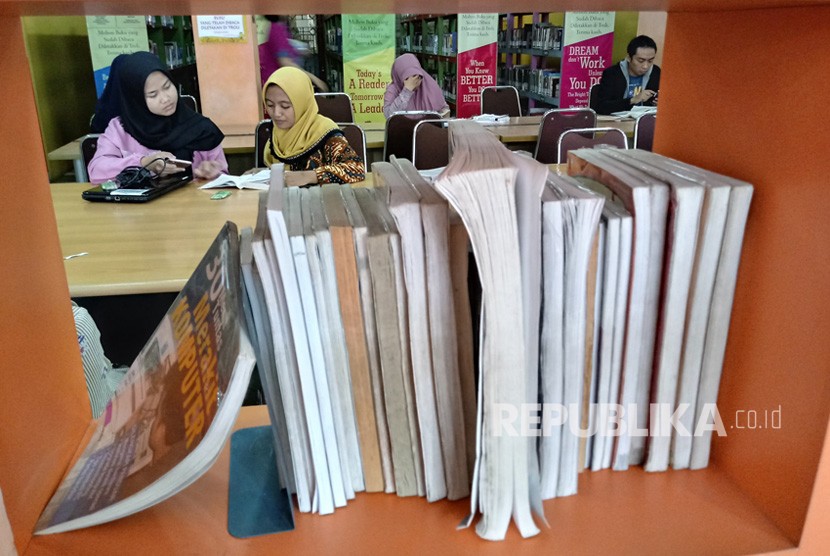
109 36
587 47
477 56
368 53
221 28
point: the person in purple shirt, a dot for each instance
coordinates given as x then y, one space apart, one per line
278 52
155 126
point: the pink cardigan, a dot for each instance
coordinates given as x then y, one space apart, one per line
117 149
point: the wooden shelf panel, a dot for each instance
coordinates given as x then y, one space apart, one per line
629 512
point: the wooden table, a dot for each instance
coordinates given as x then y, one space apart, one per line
141 247
138 248
526 128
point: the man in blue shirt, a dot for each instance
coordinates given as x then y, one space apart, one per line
633 82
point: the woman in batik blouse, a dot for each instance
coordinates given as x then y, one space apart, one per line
311 146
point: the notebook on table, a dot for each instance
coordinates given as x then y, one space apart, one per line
160 185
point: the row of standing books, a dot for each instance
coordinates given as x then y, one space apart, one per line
605 293
365 371
539 36
524 78
446 45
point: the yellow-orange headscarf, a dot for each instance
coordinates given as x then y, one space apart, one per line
309 126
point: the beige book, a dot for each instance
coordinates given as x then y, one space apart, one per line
405 208
570 219
480 184
317 387
348 290
392 356
682 249
434 213
259 328
723 221
324 281
285 361
459 268
647 201
7 547
590 361
358 222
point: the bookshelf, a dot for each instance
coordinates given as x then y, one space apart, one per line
530 55
171 39
333 58
763 489
433 39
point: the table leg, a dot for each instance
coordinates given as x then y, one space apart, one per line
80 171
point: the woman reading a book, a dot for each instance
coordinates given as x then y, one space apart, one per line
311 146
412 88
154 129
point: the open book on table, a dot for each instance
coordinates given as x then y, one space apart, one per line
258 180
636 112
175 408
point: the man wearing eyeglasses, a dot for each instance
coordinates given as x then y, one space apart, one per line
633 82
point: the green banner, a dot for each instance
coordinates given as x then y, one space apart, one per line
111 35
368 53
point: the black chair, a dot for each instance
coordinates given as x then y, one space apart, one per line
590 137
356 138
644 132
337 106
399 131
190 100
501 100
89 144
431 144
554 123
261 137
592 100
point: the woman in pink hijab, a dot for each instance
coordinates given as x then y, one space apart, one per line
412 88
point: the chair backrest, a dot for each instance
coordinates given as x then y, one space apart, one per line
590 137
190 100
644 132
554 123
261 136
356 138
431 144
592 96
88 146
501 100
399 131
337 106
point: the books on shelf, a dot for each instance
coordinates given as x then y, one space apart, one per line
505 480
345 262
404 204
722 224
569 221
175 408
537 36
608 288
648 203
676 383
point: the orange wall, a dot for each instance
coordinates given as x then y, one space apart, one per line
229 80
746 93
40 364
